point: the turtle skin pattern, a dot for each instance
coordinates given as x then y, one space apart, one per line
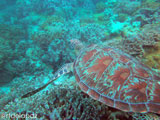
117 79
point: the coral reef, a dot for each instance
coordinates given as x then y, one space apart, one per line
22 84
87 20
10 36
67 10
61 101
151 56
5 51
6 77
150 4
147 37
12 33
25 58
34 42
100 6
127 7
145 45
54 38
147 16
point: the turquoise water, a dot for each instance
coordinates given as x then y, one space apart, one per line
35 42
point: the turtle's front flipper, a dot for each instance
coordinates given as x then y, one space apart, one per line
63 70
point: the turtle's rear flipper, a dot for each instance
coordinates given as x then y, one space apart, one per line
63 70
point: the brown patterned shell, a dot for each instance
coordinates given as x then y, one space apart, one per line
117 80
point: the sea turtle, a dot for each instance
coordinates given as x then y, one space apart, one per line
114 78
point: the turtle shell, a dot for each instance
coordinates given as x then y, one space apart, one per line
117 79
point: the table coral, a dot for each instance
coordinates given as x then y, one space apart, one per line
152 56
134 44
145 45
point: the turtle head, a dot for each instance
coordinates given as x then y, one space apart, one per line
76 44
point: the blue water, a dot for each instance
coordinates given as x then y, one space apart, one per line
35 42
